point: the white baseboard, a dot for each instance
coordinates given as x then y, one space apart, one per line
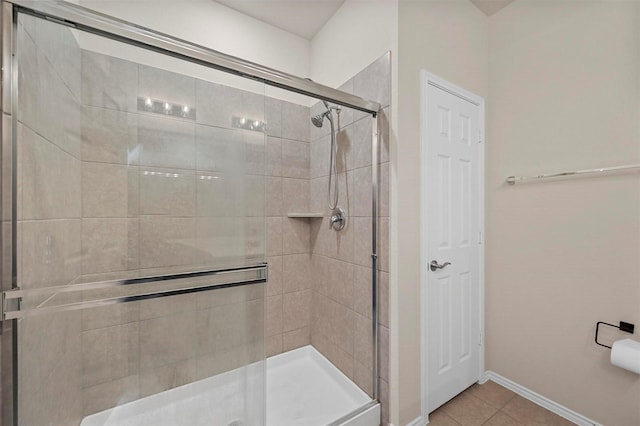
419 421
542 401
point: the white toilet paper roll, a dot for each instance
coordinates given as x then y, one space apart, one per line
626 354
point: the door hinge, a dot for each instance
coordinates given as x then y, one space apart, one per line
480 237
481 342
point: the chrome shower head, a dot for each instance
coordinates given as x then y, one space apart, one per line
317 120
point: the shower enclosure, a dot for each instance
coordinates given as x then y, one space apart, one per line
134 243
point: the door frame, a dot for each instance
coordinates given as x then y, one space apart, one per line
426 79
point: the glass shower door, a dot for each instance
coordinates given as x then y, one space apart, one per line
140 236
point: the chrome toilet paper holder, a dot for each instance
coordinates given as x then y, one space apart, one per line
627 327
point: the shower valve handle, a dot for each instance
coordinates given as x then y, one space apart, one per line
337 220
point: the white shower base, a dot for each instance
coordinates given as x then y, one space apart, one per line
303 389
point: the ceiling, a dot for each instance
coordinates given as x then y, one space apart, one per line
306 17
302 17
489 7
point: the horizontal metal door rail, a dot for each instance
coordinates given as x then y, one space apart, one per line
94 22
191 282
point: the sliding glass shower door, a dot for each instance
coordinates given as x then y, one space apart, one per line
138 235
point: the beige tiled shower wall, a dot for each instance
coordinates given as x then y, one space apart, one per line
49 218
288 239
162 194
106 192
341 325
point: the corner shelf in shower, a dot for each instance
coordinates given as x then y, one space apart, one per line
304 215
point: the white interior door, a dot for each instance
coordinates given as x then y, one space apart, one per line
452 228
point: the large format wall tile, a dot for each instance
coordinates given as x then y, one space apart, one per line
50 179
109 353
295 236
224 327
219 194
295 307
274 201
221 240
166 86
50 365
295 159
28 79
274 284
360 192
254 152
253 191
374 82
110 394
296 338
273 116
168 339
109 245
274 313
216 105
54 95
295 193
274 156
219 150
168 241
296 272
61 50
155 380
274 236
50 253
356 140
166 142
43 91
295 122
338 357
169 192
109 136
320 157
109 82
107 316
104 190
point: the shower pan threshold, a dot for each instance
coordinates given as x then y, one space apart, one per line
303 389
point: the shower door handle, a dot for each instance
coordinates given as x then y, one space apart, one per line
435 265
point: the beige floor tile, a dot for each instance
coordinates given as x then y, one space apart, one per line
492 393
501 419
439 418
468 410
528 413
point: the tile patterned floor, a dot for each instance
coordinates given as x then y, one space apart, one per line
490 404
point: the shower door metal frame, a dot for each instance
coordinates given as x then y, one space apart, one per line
83 19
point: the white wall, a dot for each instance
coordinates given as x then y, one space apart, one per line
216 26
210 24
564 95
355 36
450 39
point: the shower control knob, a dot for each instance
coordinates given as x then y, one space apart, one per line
337 219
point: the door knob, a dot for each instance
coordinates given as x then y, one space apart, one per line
435 265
